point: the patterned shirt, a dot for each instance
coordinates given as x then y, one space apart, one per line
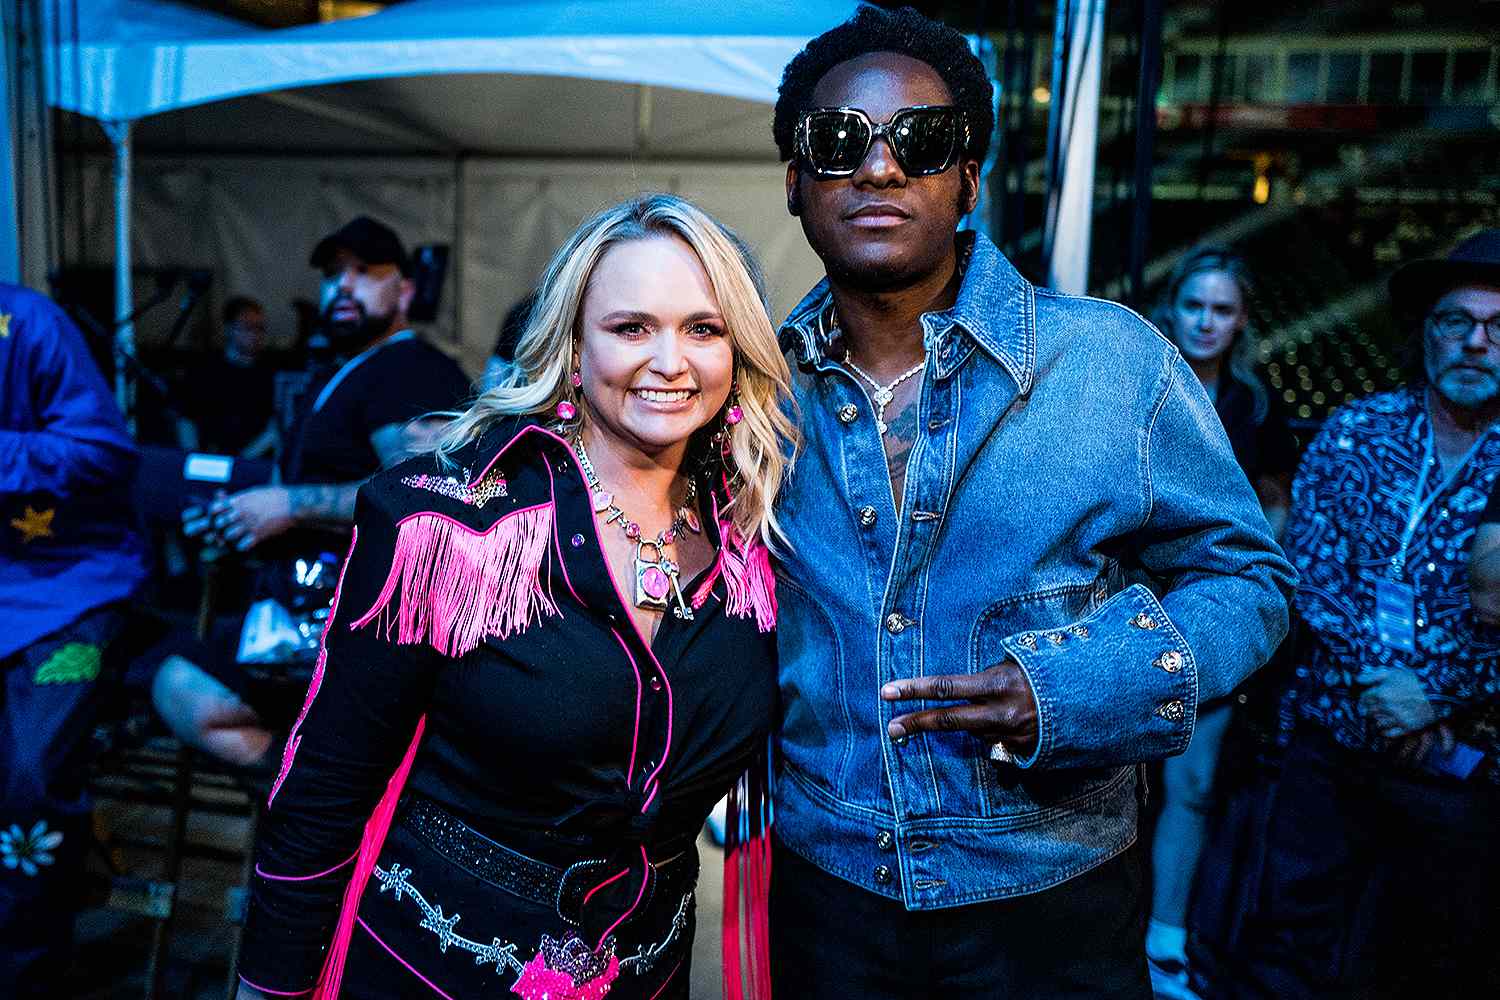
1353 497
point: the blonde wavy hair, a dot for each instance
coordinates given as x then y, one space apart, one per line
760 446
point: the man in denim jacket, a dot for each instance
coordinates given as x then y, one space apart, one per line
969 683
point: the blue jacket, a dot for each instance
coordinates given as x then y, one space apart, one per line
67 537
1066 450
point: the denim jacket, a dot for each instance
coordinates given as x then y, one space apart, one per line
1065 450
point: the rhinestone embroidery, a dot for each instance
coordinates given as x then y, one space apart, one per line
503 954
491 486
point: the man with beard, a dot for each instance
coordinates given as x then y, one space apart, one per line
358 418
970 683
1381 877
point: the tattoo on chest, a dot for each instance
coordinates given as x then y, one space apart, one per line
900 436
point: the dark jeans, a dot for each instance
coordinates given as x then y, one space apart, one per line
1380 880
51 694
1084 938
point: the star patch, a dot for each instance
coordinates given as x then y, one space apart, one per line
34 524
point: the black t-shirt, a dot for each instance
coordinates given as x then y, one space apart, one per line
1262 449
230 404
388 384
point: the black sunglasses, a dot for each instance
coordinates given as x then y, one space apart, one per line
926 140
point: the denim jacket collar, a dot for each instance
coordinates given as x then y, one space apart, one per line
993 312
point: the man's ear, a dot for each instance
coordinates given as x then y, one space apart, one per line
969 178
793 189
408 292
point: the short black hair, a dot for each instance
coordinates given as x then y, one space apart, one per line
906 32
238 304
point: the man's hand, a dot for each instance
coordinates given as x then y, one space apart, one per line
1414 747
243 520
1001 707
1394 700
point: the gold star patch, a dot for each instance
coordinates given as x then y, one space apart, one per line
4 325
34 524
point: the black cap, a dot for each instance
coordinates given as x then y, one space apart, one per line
1475 261
370 241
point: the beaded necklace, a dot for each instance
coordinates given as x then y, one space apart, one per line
656 578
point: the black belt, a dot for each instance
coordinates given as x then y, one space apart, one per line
563 889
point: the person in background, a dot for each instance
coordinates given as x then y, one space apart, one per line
70 557
556 740
1380 875
1205 311
230 397
1484 563
367 414
969 683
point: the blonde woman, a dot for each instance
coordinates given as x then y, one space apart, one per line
550 651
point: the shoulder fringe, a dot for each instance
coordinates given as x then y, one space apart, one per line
749 583
458 585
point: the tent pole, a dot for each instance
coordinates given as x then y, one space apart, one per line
1073 197
118 133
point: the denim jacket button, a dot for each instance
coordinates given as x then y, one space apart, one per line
901 741
1170 661
882 874
867 516
1172 711
1144 621
884 840
894 623
848 413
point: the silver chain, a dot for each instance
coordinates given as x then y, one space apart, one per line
884 393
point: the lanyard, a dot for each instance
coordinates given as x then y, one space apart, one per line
1419 506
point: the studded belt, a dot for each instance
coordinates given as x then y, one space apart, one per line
535 881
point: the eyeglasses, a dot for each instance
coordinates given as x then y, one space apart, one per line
1457 324
926 140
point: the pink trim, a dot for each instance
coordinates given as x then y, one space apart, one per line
645 877
668 981
304 878
409 967
276 993
369 851
655 787
590 894
294 738
635 736
745 567
459 585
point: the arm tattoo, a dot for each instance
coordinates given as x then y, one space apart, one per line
331 503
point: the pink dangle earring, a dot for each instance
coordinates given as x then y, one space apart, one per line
734 414
566 411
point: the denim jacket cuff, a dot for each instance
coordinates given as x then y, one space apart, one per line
1117 687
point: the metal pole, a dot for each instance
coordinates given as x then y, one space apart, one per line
1072 218
119 135
1145 144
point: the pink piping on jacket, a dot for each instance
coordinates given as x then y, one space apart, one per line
459 585
304 878
609 881
409 967
276 993
294 738
645 878
369 851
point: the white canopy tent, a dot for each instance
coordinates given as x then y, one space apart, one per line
491 125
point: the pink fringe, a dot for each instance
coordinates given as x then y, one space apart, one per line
745 568
458 585
369 851
746 954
